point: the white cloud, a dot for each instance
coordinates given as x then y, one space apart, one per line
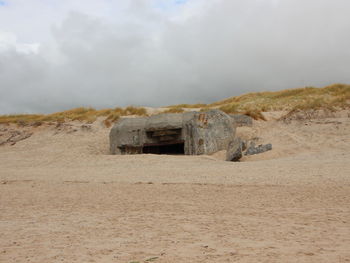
8 41
114 53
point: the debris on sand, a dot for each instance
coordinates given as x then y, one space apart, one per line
252 149
234 151
238 147
12 136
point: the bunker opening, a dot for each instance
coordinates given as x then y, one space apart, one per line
173 148
164 141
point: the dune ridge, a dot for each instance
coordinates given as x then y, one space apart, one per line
334 97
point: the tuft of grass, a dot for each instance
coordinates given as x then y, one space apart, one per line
230 108
131 110
115 114
103 112
174 110
111 118
313 104
204 109
20 118
293 92
255 114
186 106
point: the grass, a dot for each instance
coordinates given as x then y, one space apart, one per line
335 96
88 115
233 108
187 106
230 108
255 114
332 97
174 110
115 114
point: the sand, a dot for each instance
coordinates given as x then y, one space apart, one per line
63 198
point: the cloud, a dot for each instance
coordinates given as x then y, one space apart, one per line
9 41
197 52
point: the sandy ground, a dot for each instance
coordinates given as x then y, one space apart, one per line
64 199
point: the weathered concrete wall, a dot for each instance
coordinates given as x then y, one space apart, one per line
201 132
234 150
241 120
208 132
127 132
164 122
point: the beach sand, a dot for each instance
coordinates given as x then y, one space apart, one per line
63 198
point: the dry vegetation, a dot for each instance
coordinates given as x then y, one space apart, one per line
174 110
116 113
332 97
187 106
88 115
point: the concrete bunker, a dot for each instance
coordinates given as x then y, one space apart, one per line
191 133
167 141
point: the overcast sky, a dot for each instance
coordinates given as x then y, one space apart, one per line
56 55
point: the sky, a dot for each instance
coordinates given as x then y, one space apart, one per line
58 55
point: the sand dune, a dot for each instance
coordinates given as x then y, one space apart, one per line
63 198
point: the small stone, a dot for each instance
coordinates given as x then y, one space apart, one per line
259 149
234 151
86 127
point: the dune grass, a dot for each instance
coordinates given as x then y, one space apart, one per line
187 106
332 97
174 110
83 114
233 108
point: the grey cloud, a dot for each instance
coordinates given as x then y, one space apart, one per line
231 48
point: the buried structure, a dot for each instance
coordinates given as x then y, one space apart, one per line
190 133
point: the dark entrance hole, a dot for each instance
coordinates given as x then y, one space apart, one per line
170 148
